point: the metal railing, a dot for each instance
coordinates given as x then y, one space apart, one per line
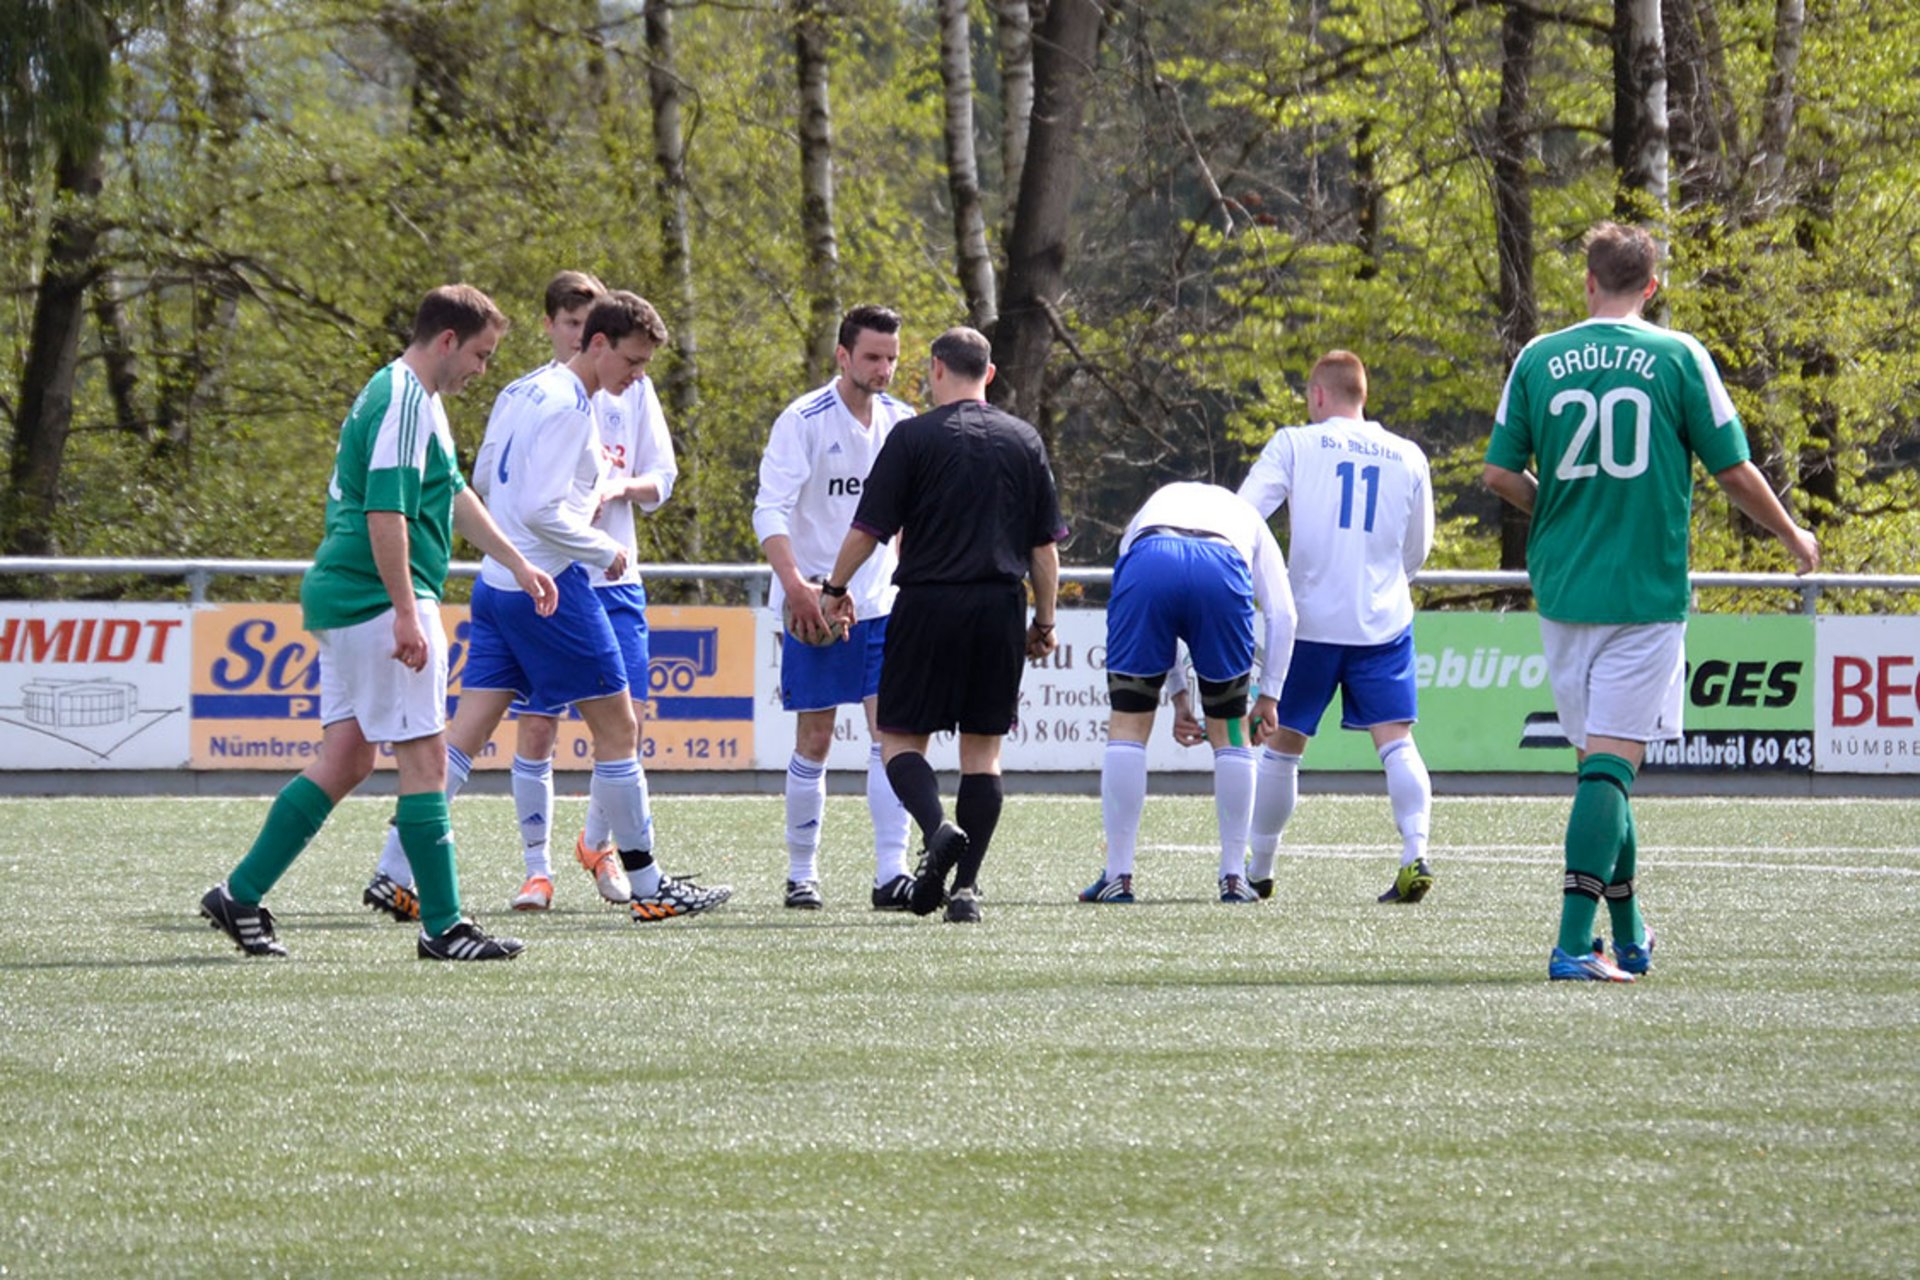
199 575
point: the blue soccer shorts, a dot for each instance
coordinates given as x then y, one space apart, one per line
626 606
552 662
821 677
1168 588
1376 683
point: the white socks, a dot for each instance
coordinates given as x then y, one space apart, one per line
1233 773
806 805
1410 790
393 859
533 801
890 822
1277 792
1123 794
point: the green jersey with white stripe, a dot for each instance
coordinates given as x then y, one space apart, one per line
395 454
1613 412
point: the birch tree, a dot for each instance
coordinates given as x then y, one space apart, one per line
973 261
810 48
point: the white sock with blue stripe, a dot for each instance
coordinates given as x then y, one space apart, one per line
1410 790
533 801
393 859
890 822
1276 791
1123 796
616 788
806 806
1233 772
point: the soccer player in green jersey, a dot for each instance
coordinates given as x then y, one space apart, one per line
1614 410
372 600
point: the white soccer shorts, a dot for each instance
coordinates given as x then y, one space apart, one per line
360 679
1625 681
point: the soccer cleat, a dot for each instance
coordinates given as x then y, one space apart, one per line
945 848
1109 889
895 895
804 895
467 941
1263 887
536 894
1236 889
1632 958
609 877
676 897
384 893
248 924
1591 967
963 907
1411 884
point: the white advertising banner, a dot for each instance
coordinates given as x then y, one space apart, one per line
94 686
1063 710
1867 719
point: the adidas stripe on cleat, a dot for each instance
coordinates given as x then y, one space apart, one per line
384 893
804 895
467 941
676 897
1410 884
249 925
1109 889
1236 889
1634 959
895 895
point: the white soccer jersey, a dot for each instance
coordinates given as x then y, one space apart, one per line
818 456
634 445
1360 509
541 477
1210 510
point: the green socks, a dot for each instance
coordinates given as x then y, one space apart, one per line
298 812
1596 834
426 834
1623 908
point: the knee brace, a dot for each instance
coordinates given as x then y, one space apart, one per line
1134 694
1225 699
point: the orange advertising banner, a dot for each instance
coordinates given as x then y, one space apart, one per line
256 691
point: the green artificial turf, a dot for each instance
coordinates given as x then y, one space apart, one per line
1316 1085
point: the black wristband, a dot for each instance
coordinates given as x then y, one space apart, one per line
832 592
1042 626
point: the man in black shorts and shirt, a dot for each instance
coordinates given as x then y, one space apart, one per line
968 489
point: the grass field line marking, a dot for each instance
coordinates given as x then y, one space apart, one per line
1484 854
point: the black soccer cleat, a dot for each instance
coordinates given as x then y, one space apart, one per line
384 893
250 925
804 895
945 848
1263 887
467 941
963 907
895 895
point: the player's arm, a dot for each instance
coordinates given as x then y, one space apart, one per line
1517 487
1274 594
472 521
854 550
387 534
544 495
1419 539
1043 570
1271 479
1749 491
654 467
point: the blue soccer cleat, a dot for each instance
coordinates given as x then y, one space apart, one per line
1105 889
1592 966
1634 959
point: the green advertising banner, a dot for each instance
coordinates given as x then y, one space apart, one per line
1486 707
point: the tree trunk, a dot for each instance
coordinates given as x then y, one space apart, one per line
1776 115
1519 318
1695 146
1639 109
1367 199
1013 27
682 384
1065 47
123 374
59 309
810 46
971 258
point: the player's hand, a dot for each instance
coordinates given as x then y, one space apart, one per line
1804 550
1040 641
809 618
1265 720
541 586
1188 731
838 611
619 566
409 640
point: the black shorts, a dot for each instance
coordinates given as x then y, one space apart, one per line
954 658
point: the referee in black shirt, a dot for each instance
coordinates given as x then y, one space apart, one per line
968 489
